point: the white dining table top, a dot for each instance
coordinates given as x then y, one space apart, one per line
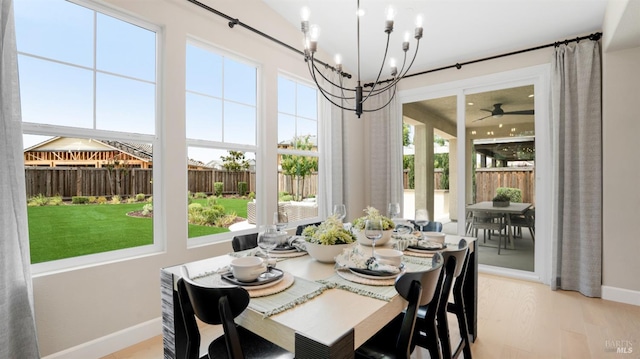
325 318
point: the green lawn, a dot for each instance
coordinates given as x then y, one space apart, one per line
58 232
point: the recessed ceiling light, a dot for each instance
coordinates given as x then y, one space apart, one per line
530 95
500 125
470 103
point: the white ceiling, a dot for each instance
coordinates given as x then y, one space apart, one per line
455 31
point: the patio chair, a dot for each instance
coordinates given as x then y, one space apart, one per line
301 227
528 220
490 222
432 226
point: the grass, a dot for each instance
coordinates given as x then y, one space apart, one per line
58 232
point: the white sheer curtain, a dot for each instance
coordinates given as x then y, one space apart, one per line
577 147
385 151
17 326
332 163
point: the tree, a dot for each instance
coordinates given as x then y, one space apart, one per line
299 167
235 161
406 132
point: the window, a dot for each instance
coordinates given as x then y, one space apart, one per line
298 152
88 91
221 130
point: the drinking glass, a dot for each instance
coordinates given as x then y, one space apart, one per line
339 211
421 219
373 231
267 241
280 220
393 210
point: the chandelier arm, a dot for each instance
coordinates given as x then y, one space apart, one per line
394 81
385 105
344 97
324 92
315 79
402 75
324 77
386 51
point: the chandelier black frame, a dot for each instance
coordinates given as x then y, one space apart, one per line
357 96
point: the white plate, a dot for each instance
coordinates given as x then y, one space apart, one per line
266 285
431 251
277 251
377 277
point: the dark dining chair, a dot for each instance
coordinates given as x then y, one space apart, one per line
246 241
395 340
432 327
216 306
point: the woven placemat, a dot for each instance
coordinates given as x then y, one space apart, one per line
418 254
286 282
300 291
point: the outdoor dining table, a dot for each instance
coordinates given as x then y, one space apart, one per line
330 323
512 208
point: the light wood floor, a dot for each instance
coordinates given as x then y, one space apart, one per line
519 319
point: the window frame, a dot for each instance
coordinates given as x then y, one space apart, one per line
228 146
319 153
30 128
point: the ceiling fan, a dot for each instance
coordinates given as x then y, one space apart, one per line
498 112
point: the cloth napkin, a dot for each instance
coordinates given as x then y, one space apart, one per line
355 257
298 243
402 241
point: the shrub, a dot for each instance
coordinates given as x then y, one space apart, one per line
101 200
140 197
286 198
150 199
147 208
212 201
79 199
514 194
217 188
226 220
115 199
131 200
200 195
242 188
55 201
38 200
195 207
92 199
252 196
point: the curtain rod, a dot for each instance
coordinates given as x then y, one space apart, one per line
234 21
594 37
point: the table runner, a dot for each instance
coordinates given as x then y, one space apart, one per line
301 291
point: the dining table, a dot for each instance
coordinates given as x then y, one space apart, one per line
319 315
514 208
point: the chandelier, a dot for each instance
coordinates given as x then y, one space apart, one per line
352 99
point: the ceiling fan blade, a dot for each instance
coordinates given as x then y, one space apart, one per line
523 112
484 109
482 118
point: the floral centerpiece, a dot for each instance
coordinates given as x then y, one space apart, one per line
325 241
373 214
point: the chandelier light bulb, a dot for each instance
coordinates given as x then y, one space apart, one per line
390 11
419 20
314 32
305 13
392 62
338 59
407 36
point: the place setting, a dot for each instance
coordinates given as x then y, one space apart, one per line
257 275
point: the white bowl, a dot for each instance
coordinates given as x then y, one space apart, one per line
362 239
389 256
325 253
437 237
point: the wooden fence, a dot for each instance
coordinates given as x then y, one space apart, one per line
488 179
88 181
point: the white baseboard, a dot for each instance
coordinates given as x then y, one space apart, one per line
114 342
621 295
